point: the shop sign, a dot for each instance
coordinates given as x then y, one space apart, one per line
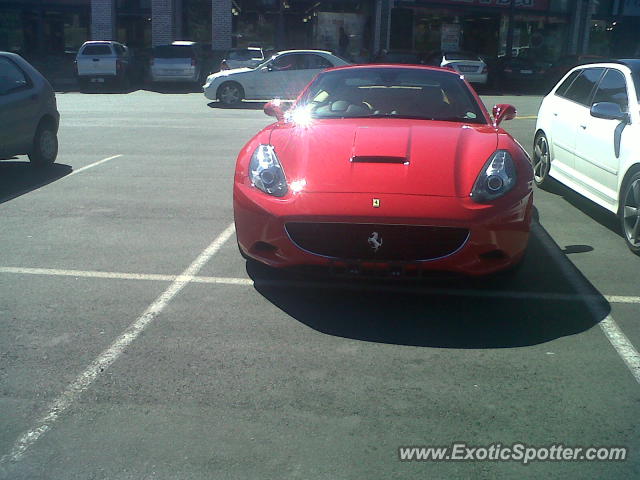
450 37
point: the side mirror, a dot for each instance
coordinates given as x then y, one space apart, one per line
503 111
273 109
609 111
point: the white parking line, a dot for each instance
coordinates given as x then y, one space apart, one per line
612 331
111 354
95 164
88 274
508 294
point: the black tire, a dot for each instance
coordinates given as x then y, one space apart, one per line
541 161
230 93
45 145
630 213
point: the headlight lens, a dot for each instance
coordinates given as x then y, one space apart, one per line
497 177
266 172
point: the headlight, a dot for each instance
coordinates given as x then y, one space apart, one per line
266 173
497 177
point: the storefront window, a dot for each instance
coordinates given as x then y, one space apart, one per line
535 36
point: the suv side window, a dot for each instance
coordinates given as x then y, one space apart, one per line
580 90
11 77
613 88
562 89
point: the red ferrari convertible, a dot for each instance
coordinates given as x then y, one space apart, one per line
389 168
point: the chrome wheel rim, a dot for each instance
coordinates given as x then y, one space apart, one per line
230 94
48 144
631 214
540 159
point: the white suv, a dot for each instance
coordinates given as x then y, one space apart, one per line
587 138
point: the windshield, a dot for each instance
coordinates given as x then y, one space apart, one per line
391 92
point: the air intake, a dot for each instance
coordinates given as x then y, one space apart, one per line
377 159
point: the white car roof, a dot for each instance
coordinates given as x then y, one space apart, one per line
620 66
183 42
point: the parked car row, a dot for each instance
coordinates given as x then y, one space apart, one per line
185 61
585 137
107 61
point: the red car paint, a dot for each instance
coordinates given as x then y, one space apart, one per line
437 165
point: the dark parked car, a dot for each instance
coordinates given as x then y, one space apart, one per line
519 72
29 116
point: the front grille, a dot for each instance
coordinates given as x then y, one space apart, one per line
374 242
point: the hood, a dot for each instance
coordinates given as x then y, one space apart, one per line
384 156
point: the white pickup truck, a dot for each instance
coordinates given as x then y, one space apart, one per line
103 61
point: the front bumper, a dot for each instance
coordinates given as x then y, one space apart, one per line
498 233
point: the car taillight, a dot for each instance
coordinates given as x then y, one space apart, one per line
224 66
485 69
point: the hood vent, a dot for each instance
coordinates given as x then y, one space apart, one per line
379 159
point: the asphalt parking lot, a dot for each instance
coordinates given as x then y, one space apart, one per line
136 343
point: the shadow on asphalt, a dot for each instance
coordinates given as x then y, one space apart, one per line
250 105
534 305
164 88
600 214
20 177
172 88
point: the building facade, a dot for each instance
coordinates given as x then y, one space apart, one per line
550 28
